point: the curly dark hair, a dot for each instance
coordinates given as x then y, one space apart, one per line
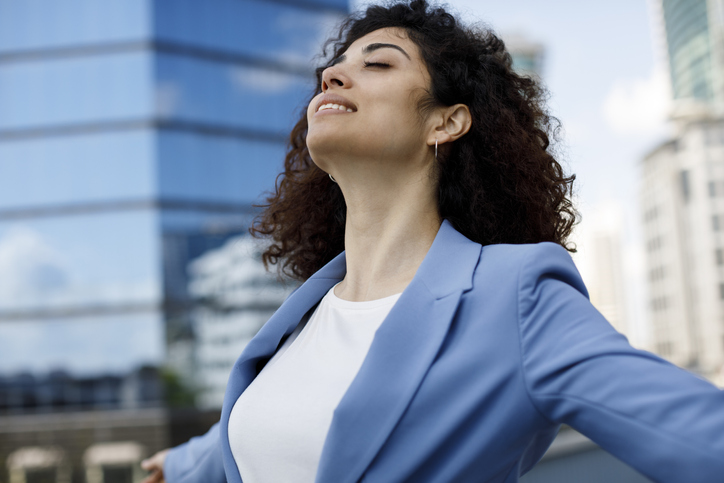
499 183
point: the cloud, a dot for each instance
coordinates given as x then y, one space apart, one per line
82 346
306 33
29 267
263 81
638 106
35 273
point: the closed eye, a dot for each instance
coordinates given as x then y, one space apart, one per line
376 64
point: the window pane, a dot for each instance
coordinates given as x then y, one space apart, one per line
38 24
89 345
75 90
231 95
214 168
102 260
685 187
188 235
267 30
75 169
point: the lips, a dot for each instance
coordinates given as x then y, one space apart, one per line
335 102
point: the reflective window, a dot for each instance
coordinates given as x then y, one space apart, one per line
113 87
103 260
76 169
215 168
270 30
82 346
187 235
239 96
38 24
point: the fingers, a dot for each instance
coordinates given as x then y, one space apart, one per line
155 477
154 465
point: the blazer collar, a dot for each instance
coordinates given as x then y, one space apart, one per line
401 352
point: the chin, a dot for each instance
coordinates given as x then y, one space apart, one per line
323 146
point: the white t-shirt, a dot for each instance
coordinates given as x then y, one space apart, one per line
279 423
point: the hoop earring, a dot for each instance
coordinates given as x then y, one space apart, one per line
332 178
435 149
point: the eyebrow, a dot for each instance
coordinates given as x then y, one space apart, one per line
377 46
372 48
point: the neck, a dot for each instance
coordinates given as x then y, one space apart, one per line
390 228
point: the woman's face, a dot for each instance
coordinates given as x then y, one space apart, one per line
368 108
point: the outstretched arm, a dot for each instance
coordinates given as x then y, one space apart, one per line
197 461
660 419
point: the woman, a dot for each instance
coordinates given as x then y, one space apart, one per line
442 332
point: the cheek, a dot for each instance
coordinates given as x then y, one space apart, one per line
310 112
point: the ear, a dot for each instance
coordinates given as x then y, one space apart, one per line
455 121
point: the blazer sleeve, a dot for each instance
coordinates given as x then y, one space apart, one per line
197 461
663 421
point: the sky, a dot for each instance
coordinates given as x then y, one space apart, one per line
605 69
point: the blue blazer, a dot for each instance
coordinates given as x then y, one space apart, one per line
486 352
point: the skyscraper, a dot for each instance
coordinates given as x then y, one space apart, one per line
527 55
135 135
681 199
694 31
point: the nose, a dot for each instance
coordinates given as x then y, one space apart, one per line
334 77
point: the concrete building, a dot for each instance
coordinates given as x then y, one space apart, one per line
682 199
600 260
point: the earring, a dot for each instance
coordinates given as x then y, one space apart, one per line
435 148
332 178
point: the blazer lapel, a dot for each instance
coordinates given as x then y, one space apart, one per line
265 343
403 349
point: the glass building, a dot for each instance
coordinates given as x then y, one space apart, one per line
688 40
135 136
693 31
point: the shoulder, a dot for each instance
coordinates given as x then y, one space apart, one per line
517 278
528 264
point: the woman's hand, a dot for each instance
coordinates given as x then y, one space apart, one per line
154 464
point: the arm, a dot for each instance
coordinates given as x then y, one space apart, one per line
660 419
197 461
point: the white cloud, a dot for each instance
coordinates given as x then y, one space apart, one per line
307 33
258 80
35 273
29 267
638 106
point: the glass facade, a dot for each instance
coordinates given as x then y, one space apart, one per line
690 52
84 344
135 136
81 89
71 261
91 168
39 25
286 34
216 169
230 95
